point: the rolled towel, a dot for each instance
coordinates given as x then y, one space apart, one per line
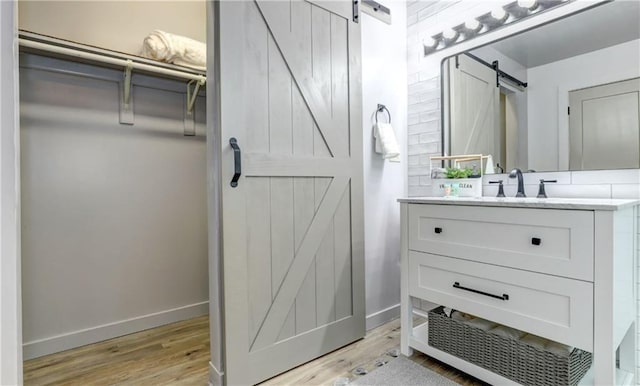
535 341
386 143
483 324
507 332
176 49
461 316
559 348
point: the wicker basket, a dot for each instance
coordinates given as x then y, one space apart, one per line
509 358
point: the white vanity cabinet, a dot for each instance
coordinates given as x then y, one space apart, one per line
558 268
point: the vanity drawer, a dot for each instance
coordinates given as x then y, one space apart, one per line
556 308
557 242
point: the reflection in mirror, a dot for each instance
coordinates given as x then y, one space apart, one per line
563 96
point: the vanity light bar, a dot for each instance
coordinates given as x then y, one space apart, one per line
486 22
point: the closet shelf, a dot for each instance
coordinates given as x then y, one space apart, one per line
57 47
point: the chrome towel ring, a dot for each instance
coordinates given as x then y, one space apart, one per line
383 109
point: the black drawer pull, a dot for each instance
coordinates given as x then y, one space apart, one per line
536 241
503 297
438 230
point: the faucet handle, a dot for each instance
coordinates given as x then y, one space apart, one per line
500 187
541 192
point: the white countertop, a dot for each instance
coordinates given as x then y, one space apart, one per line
528 202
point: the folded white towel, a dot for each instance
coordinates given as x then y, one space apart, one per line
457 315
489 168
559 348
180 50
507 332
386 143
483 324
535 341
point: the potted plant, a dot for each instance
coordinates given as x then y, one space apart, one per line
458 182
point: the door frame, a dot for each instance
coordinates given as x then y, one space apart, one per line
214 194
10 277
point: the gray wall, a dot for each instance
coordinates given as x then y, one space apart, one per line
114 226
383 81
115 25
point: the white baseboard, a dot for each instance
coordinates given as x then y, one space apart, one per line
83 337
383 316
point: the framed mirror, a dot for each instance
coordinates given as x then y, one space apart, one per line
561 96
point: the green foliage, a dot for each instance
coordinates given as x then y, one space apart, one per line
459 173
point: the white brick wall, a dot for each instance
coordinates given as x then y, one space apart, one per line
424 126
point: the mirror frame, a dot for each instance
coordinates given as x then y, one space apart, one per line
554 14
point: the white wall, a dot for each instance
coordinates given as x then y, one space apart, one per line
115 25
548 89
10 312
384 81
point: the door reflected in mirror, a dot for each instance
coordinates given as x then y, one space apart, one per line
563 96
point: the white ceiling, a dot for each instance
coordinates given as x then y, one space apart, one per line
603 26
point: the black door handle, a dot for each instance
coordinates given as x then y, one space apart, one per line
536 241
438 230
237 170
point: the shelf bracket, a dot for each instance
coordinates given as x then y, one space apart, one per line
126 104
192 94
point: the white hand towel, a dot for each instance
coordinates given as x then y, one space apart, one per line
176 49
386 143
489 168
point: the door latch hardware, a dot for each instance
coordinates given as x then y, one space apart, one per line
237 169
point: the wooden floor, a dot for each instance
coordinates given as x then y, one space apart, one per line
178 354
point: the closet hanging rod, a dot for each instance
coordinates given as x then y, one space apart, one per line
110 60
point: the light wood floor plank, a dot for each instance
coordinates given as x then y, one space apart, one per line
178 354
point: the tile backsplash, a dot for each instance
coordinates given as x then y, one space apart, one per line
582 184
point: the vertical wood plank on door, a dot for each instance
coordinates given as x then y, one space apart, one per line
321 66
280 142
280 103
258 214
258 252
257 74
340 83
304 210
342 248
282 252
301 32
304 188
321 44
325 306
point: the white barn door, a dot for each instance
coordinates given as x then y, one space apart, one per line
292 228
474 108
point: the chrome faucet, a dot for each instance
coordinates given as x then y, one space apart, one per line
518 173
